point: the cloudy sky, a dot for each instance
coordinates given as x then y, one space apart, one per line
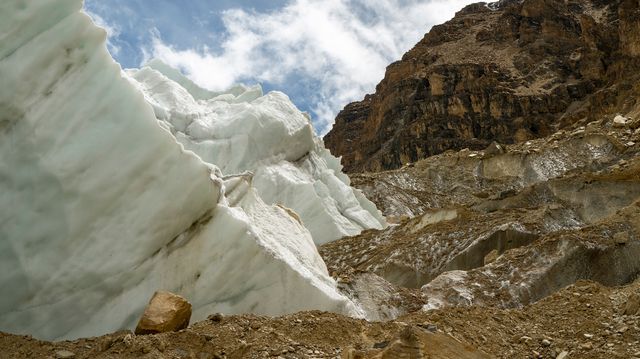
322 53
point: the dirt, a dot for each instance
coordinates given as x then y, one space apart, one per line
585 320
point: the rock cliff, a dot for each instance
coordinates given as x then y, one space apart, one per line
508 71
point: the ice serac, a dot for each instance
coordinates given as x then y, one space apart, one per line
242 130
100 206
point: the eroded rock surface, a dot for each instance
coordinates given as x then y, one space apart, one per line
506 228
508 72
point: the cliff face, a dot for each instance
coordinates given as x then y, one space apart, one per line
508 71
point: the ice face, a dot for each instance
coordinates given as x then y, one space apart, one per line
243 130
100 206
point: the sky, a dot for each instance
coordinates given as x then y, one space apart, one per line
323 54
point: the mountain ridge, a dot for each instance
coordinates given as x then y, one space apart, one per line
509 72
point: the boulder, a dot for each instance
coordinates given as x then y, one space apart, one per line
166 312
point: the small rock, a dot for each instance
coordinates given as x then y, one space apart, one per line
166 312
630 144
524 339
381 345
491 257
621 238
216 317
586 346
65 354
494 149
562 355
588 336
546 342
622 329
128 340
632 307
620 121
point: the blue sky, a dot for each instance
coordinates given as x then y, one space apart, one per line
322 53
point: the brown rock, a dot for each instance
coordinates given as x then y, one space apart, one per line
166 312
632 307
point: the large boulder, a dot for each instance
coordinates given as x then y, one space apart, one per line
166 312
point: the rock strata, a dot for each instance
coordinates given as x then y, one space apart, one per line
505 228
508 72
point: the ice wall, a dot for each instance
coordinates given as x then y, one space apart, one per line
100 206
243 130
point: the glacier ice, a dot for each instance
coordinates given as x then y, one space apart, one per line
114 185
242 130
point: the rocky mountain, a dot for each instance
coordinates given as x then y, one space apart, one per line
508 71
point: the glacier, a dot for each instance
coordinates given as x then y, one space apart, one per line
114 184
242 130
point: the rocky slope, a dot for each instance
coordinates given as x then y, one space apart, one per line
586 321
506 226
508 71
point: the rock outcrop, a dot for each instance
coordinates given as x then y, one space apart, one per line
508 71
506 228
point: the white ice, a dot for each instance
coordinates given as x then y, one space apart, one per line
100 206
243 130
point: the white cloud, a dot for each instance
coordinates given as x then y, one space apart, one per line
340 46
